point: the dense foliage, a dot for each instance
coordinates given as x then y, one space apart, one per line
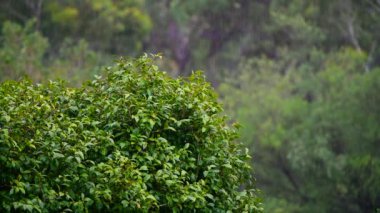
321 129
300 76
24 50
135 140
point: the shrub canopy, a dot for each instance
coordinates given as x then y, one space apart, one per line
133 140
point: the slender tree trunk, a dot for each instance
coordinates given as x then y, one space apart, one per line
36 7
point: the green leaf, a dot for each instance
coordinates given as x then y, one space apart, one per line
57 155
80 154
7 118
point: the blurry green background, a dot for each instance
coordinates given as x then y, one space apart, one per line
301 77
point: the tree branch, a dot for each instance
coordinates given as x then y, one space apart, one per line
14 12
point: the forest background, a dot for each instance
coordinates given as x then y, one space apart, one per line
301 77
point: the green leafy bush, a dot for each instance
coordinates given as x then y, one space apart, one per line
136 140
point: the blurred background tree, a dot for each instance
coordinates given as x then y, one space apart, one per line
314 132
302 77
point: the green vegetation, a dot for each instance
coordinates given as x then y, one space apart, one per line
23 52
135 140
301 77
321 129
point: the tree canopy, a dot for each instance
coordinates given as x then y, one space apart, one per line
301 77
134 140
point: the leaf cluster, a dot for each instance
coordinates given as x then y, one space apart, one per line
135 140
